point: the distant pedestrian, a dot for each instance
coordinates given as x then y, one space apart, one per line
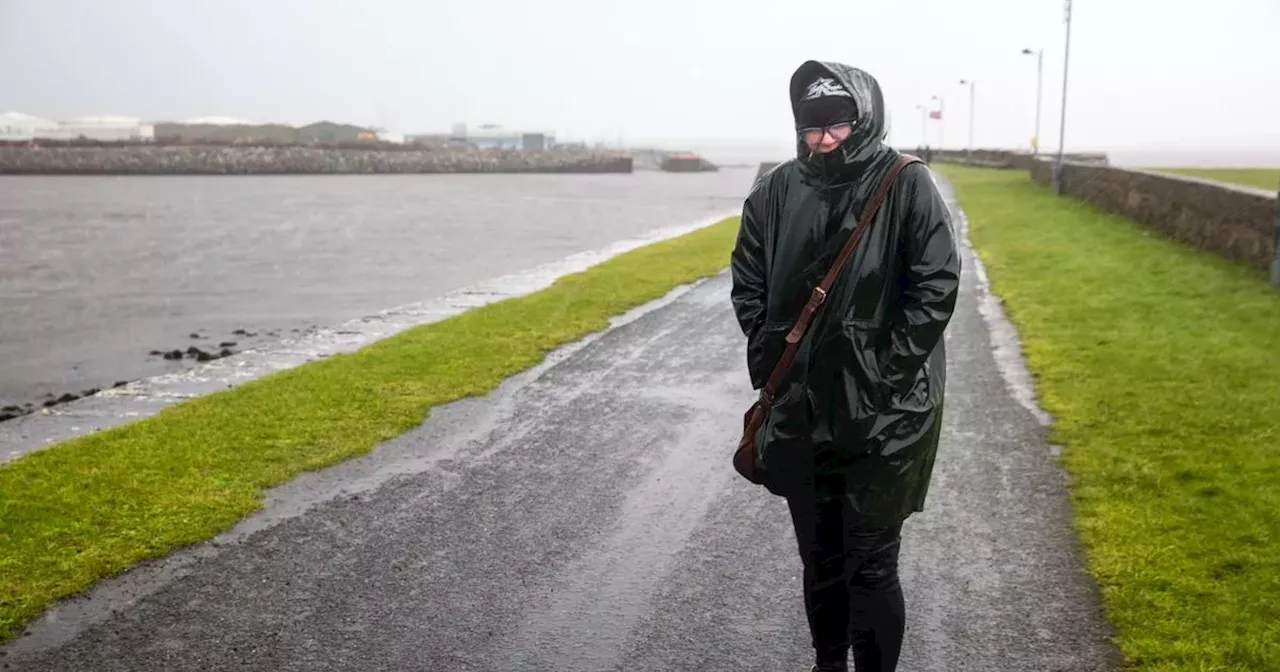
848 432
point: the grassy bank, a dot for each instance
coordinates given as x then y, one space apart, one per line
1264 178
1160 364
93 506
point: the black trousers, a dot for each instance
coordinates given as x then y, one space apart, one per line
851 589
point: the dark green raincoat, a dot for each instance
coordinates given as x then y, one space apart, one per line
860 413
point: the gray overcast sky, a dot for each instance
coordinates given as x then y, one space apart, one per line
1170 73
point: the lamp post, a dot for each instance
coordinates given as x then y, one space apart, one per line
1062 121
968 155
1035 139
1275 262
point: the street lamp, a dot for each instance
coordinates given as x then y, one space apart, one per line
1035 139
1275 261
968 155
1062 122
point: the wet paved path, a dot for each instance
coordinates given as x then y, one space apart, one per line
584 517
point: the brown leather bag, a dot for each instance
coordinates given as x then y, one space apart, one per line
744 458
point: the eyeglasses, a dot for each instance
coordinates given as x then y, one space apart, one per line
839 132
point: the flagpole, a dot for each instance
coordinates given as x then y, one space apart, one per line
942 124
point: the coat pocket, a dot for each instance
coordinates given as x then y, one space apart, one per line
915 400
864 390
764 350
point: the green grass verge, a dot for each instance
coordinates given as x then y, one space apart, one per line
1160 364
1265 178
93 506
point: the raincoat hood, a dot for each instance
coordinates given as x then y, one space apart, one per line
865 146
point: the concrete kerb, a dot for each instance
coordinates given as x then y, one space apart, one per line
1004 335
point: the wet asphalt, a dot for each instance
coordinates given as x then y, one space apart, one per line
584 517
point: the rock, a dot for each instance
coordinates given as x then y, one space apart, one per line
226 353
227 344
196 336
119 383
173 354
66 398
240 332
203 356
90 392
11 409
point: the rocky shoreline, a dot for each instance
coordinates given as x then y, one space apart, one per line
213 160
191 355
11 411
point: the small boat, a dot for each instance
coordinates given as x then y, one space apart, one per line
684 162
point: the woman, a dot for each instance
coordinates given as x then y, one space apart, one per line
850 439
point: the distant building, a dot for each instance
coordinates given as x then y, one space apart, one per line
19 127
493 136
15 126
103 128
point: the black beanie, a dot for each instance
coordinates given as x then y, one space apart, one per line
824 102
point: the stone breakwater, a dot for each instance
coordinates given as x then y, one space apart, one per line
160 160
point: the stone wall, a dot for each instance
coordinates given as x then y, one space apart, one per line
999 158
990 158
1235 222
212 160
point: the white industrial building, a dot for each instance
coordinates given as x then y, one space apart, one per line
493 136
16 126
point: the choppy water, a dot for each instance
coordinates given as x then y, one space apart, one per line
95 273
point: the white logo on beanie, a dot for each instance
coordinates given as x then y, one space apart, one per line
825 86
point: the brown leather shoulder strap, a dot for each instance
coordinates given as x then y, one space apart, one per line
819 295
